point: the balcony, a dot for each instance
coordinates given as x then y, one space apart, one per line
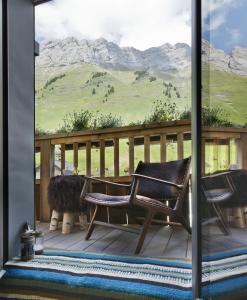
113 154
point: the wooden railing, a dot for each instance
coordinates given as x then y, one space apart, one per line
146 135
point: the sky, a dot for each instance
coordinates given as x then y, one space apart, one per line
142 23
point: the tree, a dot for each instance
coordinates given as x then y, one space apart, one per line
112 90
93 91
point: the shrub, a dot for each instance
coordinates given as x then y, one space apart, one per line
163 110
93 91
40 131
76 121
107 121
211 117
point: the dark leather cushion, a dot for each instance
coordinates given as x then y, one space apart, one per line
107 200
218 195
173 171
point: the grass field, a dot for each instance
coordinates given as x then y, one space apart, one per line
132 99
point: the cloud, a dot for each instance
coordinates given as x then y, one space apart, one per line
214 13
138 23
234 34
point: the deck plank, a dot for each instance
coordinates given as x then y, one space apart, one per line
177 244
82 244
158 242
161 241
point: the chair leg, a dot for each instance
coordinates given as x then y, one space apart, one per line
91 225
54 220
222 224
144 230
68 220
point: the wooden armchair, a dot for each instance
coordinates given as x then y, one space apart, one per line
152 186
218 192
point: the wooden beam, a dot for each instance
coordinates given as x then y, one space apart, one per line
131 155
88 158
147 148
116 157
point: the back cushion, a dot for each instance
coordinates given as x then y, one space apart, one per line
173 171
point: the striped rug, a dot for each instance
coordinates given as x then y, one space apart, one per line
73 275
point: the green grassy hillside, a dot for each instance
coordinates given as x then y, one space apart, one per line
228 91
128 94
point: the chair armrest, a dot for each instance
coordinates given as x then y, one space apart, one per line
217 174
228 181
139 176
107 182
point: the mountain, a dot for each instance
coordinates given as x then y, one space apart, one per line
166 60
98 75
235 62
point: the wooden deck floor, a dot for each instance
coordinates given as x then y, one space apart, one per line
161 241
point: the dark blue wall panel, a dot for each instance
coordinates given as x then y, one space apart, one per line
20 119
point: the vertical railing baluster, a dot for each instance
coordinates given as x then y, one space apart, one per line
116 157
75 155
102 158
215 155
88 158
228 153
62 147
131 155
203 156
180 145
147 148
163 148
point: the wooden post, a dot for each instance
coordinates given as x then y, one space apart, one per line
75 148
242 151
131 155
46 172
88 158
228 154
163 148
215 156
147 148
203 154
116 157
180 145
62 146
102 158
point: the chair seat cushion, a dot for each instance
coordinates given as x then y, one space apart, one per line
107 200
149 202
218 195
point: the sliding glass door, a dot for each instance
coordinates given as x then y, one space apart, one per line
223 149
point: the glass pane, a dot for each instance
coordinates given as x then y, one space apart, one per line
224 142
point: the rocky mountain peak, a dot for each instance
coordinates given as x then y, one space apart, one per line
167 59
